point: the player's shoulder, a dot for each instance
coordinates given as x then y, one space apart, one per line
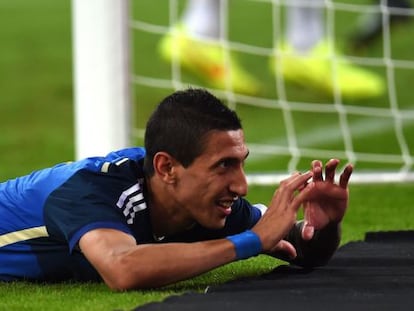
124 161
132 153
112 162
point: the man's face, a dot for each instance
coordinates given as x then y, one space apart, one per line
208 187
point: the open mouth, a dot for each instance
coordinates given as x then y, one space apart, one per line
225 206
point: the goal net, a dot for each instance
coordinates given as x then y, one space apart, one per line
287 124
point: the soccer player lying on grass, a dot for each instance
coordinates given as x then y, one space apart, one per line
142 218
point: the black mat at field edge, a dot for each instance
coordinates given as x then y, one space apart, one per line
374 274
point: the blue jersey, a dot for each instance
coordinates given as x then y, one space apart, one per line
43 215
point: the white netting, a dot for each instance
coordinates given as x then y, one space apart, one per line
387 120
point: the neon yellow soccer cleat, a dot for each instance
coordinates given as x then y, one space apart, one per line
206 60
315 70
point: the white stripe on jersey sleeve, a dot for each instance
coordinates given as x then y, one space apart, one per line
23 235
261 207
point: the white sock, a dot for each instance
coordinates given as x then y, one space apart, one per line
202 18
305 25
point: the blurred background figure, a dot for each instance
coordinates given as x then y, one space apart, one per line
304 56
194 44
370 26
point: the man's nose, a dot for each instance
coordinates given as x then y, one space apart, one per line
239 183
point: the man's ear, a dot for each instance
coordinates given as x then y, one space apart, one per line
165 166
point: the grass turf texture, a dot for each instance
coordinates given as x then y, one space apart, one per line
36 123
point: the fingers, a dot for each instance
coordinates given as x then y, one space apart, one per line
317 170
307 231
330 168
288 187
344 178
286 249
282 211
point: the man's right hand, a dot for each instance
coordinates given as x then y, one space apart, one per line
281 214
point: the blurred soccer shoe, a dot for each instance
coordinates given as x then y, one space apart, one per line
315 69
206 59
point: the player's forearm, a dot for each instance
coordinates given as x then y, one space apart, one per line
317 251
155 265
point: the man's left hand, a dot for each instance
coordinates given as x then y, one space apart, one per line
325 201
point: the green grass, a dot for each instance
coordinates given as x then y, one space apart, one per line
372 208
36 126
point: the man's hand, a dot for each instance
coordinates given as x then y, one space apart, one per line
325 202
281 214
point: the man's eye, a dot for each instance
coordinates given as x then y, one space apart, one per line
228 163
224 163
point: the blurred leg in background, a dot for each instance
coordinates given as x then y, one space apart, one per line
194 44
370 26
304 56
311 59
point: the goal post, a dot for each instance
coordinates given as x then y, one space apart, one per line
101 76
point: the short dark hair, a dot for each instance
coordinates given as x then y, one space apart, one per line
181 122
